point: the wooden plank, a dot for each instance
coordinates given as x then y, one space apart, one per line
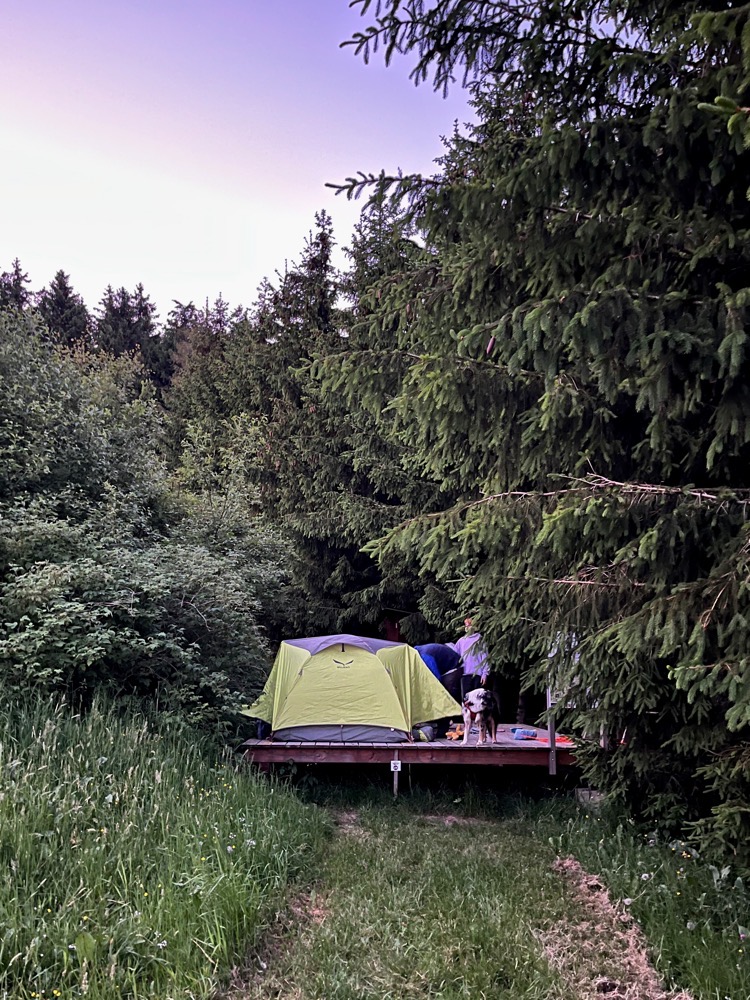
410 753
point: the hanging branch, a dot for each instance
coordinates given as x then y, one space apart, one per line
718 495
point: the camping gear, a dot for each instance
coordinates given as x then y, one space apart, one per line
348 688
560 741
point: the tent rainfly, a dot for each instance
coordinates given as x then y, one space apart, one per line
350 689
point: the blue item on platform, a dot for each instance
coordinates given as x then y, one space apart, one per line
523 734
429 662
445 657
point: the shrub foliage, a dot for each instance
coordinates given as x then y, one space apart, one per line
110 577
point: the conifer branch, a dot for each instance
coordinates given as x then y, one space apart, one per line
718 495
705 618
589 485
576 581
724 665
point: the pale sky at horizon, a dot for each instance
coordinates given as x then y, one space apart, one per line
186 144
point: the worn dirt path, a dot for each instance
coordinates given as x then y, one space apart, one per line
435 909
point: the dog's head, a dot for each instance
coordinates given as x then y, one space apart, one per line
479 700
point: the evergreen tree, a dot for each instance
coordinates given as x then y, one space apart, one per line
116 330
378 485
64 311
578 373
326 471
266 379
13 291
318 464
126 321
194 341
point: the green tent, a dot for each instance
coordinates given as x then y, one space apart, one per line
350 688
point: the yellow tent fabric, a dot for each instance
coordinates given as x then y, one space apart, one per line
350 680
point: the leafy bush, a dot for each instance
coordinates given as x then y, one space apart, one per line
112 576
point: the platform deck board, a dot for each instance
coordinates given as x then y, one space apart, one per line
506 751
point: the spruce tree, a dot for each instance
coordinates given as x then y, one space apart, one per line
326 475
64 311
296 443
194 342
13 291
578 374
378 485
126 321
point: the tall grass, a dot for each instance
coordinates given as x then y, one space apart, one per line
409 907
694 914
134 862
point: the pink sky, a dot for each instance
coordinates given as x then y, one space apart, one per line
187 144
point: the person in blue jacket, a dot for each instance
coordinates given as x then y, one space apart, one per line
429 661
440 659
441 656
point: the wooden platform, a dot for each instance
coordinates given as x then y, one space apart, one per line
546 750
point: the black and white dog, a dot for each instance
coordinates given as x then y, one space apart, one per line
479 706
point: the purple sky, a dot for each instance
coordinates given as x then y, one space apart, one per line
186 143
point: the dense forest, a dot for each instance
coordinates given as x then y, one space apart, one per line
526 397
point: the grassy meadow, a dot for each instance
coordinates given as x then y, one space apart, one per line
138 863
449 895
134 863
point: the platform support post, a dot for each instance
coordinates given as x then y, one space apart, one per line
395 767
551 732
